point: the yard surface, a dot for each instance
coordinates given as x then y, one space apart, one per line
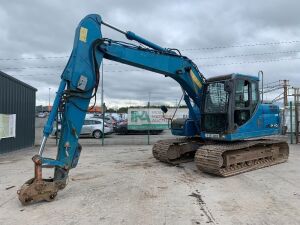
119 184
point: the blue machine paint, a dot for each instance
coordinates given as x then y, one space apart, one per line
132 36
49 125
264 122
78 65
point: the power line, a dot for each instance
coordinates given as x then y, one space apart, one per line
187 49
30 67
269 83
272 86
279 97
272 89
40 67
43 58
245 55
33 58
110 71
129 70
33 75
242 45
250 62
197 58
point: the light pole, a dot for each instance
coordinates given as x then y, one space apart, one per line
102 104
49 100
149 118
261 75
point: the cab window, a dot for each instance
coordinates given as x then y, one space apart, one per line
254 95
242 94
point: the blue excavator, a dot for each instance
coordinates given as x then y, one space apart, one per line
223 134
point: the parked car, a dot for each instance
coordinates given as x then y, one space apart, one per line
122 128
92 127
41 115
108 119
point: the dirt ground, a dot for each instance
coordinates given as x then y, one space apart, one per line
126 185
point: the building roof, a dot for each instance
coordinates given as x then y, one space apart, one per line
16 80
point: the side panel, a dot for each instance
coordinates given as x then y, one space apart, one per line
265 121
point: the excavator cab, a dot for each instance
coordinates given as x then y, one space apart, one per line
229 102
232 109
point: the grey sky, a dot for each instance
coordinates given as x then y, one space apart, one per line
34 29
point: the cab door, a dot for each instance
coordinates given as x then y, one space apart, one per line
245 100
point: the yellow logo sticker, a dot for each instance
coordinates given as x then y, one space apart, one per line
195 79
83 34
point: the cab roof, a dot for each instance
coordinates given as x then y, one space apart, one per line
232 76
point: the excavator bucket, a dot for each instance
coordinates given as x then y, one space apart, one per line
35 191
38 189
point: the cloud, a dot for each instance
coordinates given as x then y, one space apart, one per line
39 29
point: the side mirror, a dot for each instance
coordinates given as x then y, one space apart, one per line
164 109
228 86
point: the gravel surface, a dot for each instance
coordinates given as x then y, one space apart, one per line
125 185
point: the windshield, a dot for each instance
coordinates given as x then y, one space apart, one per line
216 99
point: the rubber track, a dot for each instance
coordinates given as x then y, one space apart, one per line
160 150
208 157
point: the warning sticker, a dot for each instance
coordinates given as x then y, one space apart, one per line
83 34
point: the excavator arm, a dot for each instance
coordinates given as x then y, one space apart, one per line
79 84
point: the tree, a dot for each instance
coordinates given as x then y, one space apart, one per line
123 110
